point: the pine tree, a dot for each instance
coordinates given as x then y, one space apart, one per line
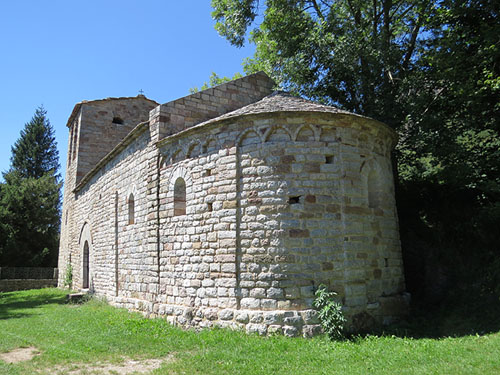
30 198
35 152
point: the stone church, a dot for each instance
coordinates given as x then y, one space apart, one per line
229 206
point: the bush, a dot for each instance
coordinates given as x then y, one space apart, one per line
68 277
330 313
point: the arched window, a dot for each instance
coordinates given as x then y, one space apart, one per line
179 197
131 209
117 120
374 190
85 281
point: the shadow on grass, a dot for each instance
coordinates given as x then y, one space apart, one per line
22 304
451 318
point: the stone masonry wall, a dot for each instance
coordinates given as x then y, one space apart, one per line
180 114
92 135
11 285
100 134
121 260
276 205
24 278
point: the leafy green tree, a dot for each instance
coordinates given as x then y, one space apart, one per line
30 198
356 54
449 150
214 80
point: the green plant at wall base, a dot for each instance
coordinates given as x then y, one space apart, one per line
329 312
68 277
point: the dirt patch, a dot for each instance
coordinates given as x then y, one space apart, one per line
129 366
19 355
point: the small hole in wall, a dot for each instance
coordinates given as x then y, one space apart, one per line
294 200
328 159
210 207
208 172
386 262
117 120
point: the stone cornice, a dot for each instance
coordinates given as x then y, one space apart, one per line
221 120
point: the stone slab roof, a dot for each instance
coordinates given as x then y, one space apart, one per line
278 101
78 105
281 101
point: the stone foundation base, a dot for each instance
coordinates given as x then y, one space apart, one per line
289 323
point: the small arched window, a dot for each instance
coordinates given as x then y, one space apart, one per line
179 197
86 265
374 190
131 209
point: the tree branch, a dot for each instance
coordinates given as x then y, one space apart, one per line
413 42
317 9
404 13
375 19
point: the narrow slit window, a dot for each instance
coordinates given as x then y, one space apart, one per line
179 197
131 209
70 153
210 207
75 139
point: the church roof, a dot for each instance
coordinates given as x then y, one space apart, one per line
78 105
280 101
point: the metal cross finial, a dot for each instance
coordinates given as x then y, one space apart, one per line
141 92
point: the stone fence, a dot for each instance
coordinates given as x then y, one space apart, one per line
23 278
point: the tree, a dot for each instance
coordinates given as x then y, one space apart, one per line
30 198
214 80
356 54
449 150
30 219
35 153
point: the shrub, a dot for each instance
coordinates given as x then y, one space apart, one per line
68 277
330 313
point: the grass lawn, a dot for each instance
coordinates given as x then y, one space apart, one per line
73 336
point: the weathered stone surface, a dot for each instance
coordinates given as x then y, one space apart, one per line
25 284
228 207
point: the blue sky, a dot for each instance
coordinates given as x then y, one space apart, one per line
56 53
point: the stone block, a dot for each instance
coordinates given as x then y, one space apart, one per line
241 317
310 317
275 329
275 293
260 329
290 331
250 303
309 331
226 314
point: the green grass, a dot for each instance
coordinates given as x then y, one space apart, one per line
95 332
